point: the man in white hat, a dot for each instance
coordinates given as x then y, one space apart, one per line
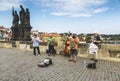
36 41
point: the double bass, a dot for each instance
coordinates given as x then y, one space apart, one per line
67 47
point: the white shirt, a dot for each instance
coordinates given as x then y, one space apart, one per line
93 48
35 41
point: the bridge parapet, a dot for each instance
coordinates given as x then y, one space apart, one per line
106 52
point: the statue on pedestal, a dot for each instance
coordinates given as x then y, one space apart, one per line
21 32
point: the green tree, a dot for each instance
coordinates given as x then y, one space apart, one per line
88 39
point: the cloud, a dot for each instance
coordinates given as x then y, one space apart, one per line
98 10
59 13
71 14
7 4
74 8
81 15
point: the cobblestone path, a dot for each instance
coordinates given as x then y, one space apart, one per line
21 65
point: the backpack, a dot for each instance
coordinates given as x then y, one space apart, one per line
92 64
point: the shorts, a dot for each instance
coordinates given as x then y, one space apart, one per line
73 52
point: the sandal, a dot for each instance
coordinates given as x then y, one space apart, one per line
74 61
70 60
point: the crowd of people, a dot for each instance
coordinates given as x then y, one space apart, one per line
5 36
70 42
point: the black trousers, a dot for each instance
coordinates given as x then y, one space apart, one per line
51 49
34 50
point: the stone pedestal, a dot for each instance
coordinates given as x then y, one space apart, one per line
21 33
15 34
25 32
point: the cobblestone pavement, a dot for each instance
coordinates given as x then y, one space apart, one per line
21 65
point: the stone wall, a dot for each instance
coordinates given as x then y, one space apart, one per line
106 52
109 52
5 44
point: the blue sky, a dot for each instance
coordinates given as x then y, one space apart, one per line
76 16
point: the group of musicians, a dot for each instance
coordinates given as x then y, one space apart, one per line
71 45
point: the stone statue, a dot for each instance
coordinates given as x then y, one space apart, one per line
21 31
15 18
27 16
22 15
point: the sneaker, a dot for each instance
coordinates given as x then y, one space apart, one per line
48 54
53 54
38 54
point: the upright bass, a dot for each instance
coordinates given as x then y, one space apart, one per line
67 47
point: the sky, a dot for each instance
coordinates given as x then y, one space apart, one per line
59 16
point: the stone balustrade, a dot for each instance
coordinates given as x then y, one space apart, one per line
106 52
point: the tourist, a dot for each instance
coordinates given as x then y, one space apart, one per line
94 46
96 39
5 36
74 48
1 35
36 40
